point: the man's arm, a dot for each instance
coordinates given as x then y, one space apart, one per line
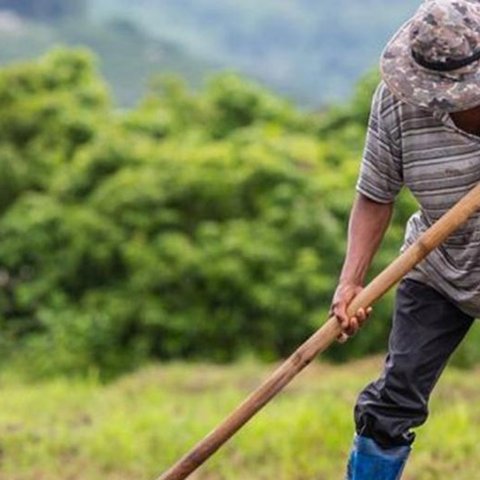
368 222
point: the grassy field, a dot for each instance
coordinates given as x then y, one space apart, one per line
135 427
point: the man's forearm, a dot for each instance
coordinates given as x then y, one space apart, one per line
368 222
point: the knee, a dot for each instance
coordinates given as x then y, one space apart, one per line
387 416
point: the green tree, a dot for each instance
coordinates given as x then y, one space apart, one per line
199 225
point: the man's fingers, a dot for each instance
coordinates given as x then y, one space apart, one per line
342 338
361 315
349 324
340 311
352 327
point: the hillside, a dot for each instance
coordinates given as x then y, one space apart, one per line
313 51
128 56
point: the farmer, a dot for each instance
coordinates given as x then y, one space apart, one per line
424 133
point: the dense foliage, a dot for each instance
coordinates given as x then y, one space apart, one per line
206 225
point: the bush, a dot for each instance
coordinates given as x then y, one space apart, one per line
203 226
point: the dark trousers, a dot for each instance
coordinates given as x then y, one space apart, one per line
426 330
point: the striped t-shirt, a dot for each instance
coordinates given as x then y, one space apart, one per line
439 164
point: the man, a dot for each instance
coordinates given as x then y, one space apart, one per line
424 133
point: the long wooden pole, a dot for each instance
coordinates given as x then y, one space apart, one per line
326 335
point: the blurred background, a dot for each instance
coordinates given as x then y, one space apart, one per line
176 178
311 51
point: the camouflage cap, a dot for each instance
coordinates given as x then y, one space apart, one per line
433 61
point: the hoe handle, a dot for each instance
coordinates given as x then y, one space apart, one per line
326 335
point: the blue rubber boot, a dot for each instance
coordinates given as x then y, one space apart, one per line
369 461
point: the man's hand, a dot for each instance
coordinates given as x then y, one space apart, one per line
344 294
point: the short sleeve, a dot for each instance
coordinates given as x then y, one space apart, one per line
381 176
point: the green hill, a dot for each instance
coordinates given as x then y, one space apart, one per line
311 50
128 57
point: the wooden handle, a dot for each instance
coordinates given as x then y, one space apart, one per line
327 334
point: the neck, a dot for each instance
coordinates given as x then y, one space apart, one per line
468 120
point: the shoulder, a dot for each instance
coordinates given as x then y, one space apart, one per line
386 103
383 98
385 113
394 114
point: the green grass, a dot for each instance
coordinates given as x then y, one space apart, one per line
134 428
